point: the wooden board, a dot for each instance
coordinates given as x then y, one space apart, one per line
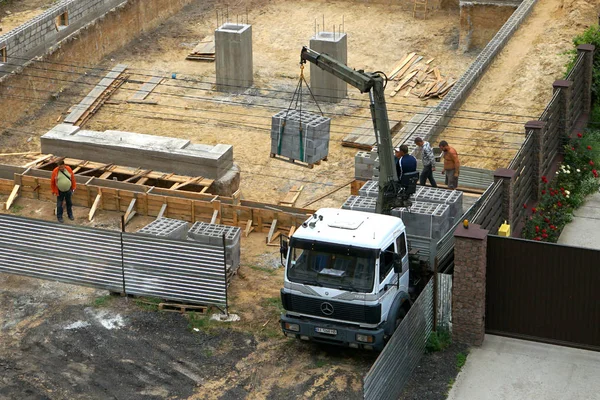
204 51
146 89
400 65
290 199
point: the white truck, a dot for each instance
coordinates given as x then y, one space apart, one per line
346 279
347 272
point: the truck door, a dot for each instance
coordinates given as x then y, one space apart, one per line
387 279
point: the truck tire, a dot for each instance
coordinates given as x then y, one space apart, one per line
400 307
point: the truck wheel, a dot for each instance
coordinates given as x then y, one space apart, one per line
399 318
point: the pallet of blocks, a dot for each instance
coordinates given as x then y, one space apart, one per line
300 136
213 234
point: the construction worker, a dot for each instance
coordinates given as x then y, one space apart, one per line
428 160
404 161
451 165
62 183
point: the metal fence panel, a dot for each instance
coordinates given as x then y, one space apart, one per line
444 302
65 253
393 367
174 270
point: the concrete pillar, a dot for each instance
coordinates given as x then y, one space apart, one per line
538 129
507 176
588 49
566 110
324 85
233 57
468 287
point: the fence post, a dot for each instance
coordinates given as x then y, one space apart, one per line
538 129
588 69
507 176
468 289
566 89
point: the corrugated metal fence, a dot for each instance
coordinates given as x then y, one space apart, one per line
393 368
120 262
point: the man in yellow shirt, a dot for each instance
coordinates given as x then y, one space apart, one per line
62 183
451 165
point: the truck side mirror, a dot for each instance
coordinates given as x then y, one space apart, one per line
397 263
283 249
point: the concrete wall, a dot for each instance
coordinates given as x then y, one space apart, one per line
479 22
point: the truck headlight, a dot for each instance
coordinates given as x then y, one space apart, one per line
364 338
292 327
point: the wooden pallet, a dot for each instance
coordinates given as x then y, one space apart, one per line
182 308
296 162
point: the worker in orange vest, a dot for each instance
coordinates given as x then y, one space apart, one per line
63 185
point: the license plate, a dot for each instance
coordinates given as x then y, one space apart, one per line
326 331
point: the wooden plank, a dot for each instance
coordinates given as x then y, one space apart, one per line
401 65
429 61
274 237
248 228
80 109
272 231
38 160
292 230
130 212
105 175
290 199
406 67
163 208
146 89
19 154
403 83
213 220
13 195
217 212
437 73
99 168
95 205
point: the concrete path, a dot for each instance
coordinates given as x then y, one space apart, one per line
511 369
584 230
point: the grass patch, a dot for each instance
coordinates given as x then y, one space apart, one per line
269 271
438 341
273 308
148 303
321 363
450 384
16 209
461 359
102 301
201 322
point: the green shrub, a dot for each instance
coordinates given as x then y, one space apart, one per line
589 36
438 341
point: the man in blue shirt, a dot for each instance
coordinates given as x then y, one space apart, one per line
404 161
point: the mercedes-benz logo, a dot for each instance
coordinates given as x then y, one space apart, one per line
326 308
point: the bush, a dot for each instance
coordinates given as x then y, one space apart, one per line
438 341
576 178
589 36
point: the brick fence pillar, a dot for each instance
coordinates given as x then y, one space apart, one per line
538 129
588 62
507 176
468 287
566 108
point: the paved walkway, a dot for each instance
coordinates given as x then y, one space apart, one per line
511 369
584 230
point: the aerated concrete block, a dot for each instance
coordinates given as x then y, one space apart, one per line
166 227
428 220
370 189
310 145
453 198
360 203
213 234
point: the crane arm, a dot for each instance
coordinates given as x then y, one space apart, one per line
373 83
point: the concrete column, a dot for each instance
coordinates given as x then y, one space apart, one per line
538 128
507 176
588 61
468 287
233 57
324 85
566 114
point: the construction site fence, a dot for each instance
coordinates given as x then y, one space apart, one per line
391 371
128 263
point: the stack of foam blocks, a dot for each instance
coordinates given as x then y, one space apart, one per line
167 228
212 234
311 146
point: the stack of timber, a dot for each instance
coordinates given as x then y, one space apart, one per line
119 173
82 112
204 51
134 199
415 76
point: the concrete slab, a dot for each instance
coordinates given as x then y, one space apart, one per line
505 368
584 230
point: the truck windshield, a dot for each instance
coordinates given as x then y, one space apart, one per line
335 266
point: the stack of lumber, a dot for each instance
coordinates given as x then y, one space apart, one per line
417 77
204 51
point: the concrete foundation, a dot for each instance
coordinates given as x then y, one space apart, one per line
324 85
213 234
166 227
233 57
481 20
156 153
311 147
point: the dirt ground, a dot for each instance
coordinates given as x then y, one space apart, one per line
14 13
519 83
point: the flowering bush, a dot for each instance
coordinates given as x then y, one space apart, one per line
575 179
